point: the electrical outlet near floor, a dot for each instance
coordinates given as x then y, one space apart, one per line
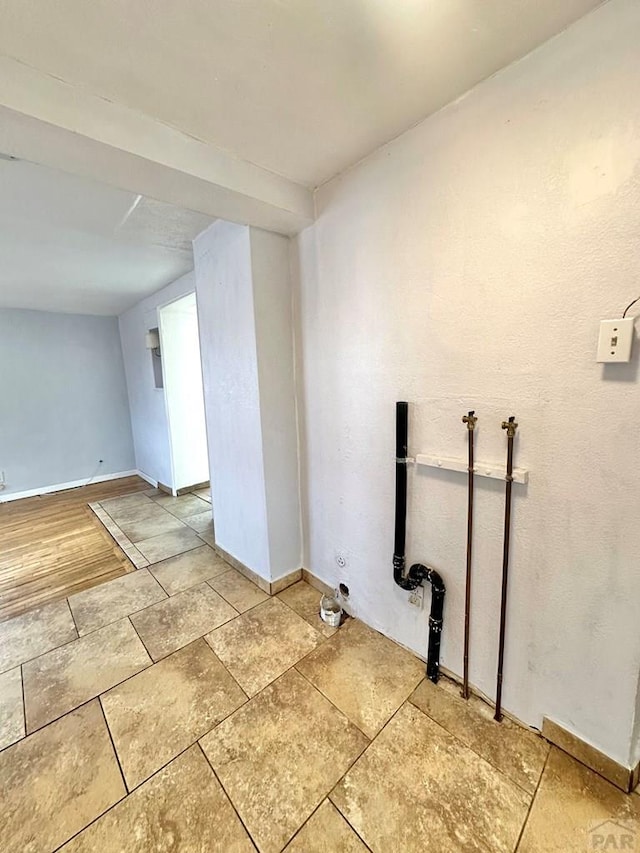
416 597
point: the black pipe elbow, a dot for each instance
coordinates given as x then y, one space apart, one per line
418 573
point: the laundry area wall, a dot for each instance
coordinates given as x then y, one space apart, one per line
466 265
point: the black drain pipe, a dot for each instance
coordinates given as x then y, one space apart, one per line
417 573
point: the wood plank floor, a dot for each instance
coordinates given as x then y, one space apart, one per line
52 546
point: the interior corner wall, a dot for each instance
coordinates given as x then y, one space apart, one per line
149 422
273 310
243 287
64 400
466 265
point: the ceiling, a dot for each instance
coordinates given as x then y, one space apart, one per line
299 87
71 244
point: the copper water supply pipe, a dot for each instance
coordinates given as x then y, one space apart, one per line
511 426
470 421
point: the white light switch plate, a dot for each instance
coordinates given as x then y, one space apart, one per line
615 340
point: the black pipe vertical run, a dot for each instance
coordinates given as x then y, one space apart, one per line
402 433
417 573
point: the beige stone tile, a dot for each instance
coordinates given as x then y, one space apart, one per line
11 708
153 493
177 621
147 528
34 633
67 677
305 600
365 674
161 711
326 831
169 544
263 643
418 788
183 505
136 557
57 781
110 601
209 538
518 753
190 569
576 810
279 755
205 494
128 506
202 522
237 590
183 808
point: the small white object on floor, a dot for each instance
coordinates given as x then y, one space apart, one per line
331 610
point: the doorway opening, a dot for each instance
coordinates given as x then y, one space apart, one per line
182 372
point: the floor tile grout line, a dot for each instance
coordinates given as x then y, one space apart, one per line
228 671
530 809
135 544
184 749
24 706
278 677
90 699
341 713
42 654
115 751
151 663
240 612
226 793
133 613
73 618
369 745
127 792
528 794
475 751
124 615
76 639
167 597
144 646
188 643
332 805
129 678
331 702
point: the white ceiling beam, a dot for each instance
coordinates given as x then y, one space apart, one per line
51 122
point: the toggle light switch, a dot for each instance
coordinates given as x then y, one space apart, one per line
615 340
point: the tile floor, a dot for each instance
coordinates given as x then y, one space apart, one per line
151 526
180 708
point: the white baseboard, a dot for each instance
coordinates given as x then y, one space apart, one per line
146 477
61 487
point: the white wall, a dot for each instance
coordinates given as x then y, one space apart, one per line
147 404
467 265
63 398
244 304
183 392
274 342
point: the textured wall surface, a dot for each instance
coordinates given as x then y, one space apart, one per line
224 288
63 399
246 339
147 403
467 265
